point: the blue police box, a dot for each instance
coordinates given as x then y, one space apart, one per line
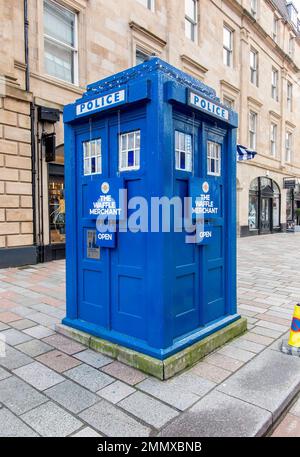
155 132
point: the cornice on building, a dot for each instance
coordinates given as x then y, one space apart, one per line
148 34
245 14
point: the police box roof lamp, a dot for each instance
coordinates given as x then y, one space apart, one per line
244 153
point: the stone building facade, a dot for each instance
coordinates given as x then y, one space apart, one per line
247 50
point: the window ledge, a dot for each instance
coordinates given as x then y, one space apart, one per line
58 82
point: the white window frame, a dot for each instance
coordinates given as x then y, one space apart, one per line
274 84
252 129
88 155
214 153
183 147
273 139
291 46
149 4
228 51
136 151
193 21
253 8
288 146
140 51
289 96
74 49
229 102
254 67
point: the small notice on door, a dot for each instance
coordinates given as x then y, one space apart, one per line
93 251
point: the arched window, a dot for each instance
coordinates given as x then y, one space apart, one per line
264 205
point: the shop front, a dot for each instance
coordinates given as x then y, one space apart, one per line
264 206
292 204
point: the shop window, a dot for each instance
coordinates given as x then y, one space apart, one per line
129 151
60 42
183 151
92 157
213 158
276 205
56 206
264 205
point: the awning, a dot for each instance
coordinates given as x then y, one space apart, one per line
244 153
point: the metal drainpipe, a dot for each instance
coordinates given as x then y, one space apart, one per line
32 120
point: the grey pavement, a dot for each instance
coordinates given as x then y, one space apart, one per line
53 386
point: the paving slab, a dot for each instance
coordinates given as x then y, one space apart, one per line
4 374
150 410
8 316
58 361
71 396
124 373
39 331
89 377
86 432
22 324
289 427
51 420
116 391
219 415
14 337
111 421
177 397
64 344
210 372
95 359
34 347
270 381
38 375
14 359
12 426
18 396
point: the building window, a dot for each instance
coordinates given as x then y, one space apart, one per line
60 42
252 129
291 46
213 158
273 138
253 7
183 151
274 87
228 102
275 28
254 67
288 146
140 57
289 96
92 157
148 4
191 14
129 151
227 46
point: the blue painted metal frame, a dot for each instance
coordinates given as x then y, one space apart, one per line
172 308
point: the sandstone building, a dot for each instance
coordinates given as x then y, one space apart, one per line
248 50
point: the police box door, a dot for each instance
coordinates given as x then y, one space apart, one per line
214 167
93 261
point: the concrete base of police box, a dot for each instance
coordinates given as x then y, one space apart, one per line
161 369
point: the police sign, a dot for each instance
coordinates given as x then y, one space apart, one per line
100 103
206 105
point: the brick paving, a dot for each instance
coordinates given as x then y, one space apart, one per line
52 386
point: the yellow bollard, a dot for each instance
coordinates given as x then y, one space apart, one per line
294 339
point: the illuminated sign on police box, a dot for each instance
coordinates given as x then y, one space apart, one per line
100 103
210 107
